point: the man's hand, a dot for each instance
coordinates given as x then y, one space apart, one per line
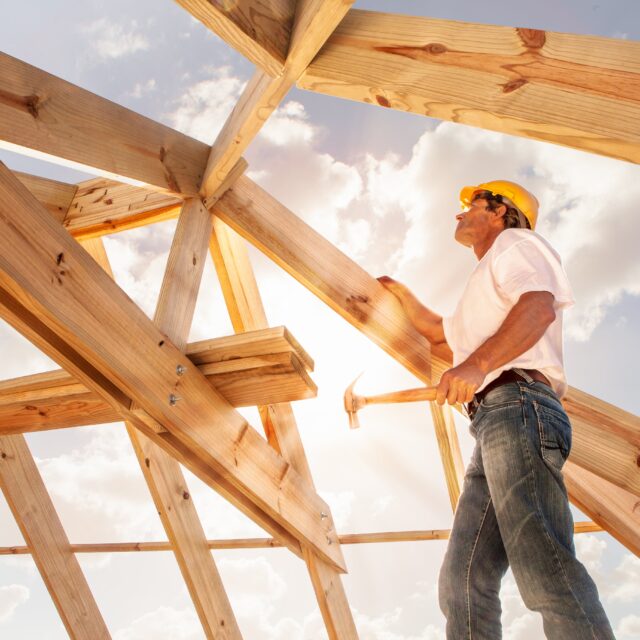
460 383
397 288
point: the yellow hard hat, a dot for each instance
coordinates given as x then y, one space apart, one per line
516 195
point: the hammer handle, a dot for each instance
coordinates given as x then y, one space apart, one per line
406 395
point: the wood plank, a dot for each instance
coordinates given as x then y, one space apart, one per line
449 447
270 543
54 195
42 113
314 22
574 90
258 29
331 275
241 294
102 206
614 509
164 477
47 541
354 294
91 326
248 369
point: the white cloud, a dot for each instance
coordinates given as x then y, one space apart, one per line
165 623
629 628
11 597
111 40
143 88
204 106
288 125
624 581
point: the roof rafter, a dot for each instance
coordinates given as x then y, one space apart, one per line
574 90
314 22
90 325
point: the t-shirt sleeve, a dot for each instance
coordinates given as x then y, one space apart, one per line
529 265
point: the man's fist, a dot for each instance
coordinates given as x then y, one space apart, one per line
460 383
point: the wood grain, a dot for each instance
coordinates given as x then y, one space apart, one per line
41 112
574 90
68 300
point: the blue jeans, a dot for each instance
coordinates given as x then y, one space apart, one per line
514 512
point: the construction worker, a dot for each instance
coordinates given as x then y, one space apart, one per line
506 339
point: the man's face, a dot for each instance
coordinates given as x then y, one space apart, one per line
474 223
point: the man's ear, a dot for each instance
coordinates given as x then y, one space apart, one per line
500 211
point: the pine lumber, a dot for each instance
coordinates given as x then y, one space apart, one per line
56 196
248 369
73 310
45 114
47 541
614 509
314 22
355 295
164 477
258 29
246 310
325 270
575 90
270 543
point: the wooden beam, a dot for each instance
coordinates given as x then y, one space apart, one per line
326 271
574 90
314 22
247 312
47 541
271 543
42 113
73 310
163 474
54 195
258 29
248 369
614 509
357 297
449 447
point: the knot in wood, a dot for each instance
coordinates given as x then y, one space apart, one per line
382 101
514 85
435 48
532 38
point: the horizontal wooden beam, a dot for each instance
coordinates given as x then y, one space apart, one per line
248 369
67 305
258 29
270 543
574 90
47 115
356 296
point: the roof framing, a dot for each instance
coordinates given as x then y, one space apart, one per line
578 91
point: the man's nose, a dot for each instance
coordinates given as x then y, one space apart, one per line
459 216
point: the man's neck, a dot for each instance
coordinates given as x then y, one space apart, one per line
481 247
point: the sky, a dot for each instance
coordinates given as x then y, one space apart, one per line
383 186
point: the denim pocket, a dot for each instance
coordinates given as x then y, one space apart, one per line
554 429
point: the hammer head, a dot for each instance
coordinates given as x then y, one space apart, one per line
352 404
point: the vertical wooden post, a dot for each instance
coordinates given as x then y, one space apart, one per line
229 253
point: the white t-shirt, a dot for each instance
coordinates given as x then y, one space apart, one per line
518 261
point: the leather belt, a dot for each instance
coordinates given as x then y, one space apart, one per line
505 377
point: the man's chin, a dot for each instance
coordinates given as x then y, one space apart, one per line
463 239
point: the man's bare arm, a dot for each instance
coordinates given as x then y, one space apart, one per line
425 321
522 328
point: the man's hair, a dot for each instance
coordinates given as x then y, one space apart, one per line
512 218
